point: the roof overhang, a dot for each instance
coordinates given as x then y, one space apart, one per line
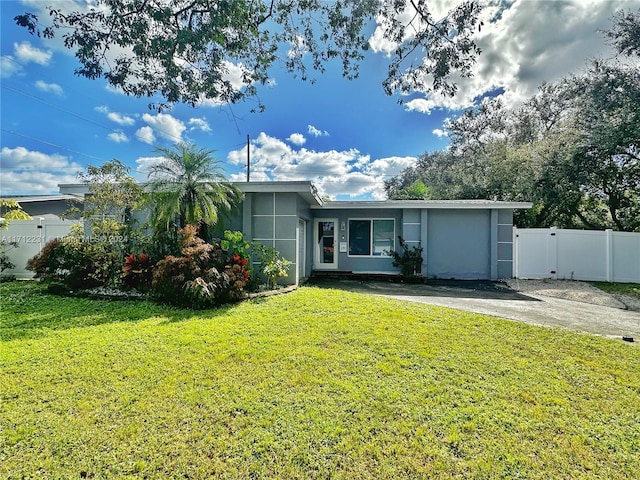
425 204
306 190
43 198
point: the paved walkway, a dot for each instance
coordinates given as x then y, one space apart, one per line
604 317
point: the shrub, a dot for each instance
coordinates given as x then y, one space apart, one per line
136 271
5 261
204 275
410 261
272 265
77 263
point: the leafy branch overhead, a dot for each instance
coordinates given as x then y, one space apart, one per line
190 51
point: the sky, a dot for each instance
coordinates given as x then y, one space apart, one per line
346 136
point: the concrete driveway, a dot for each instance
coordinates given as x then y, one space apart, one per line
577 306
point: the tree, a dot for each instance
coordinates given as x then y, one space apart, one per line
189 184
11 210
112 191
606 157
625 34
184 49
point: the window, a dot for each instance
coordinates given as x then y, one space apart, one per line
374 237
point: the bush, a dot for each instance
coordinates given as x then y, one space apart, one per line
410 261
272 265
205 274
5 261
77 263
136 272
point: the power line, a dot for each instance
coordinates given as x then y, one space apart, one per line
51 144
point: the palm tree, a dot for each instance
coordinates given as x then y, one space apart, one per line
189 184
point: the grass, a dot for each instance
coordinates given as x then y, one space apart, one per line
631 289
313 384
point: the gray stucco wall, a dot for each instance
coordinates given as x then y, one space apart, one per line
272 219
505 244
373 264
459 244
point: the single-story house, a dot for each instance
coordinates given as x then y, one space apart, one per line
461 239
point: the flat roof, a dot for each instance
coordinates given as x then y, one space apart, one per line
431 204
41 198
305 189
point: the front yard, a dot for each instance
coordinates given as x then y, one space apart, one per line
313 384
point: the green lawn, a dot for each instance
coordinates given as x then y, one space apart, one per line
313 384
631 289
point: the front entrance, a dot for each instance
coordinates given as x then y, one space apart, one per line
325 255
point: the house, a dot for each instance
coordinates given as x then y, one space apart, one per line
462 239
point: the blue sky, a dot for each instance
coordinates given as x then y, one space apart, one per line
345 136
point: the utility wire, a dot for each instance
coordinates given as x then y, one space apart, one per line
51 144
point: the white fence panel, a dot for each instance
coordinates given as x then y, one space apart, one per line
577 254
31 236
581 255
626 257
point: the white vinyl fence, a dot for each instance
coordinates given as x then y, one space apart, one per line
576 254
31 236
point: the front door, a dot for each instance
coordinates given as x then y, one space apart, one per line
325 254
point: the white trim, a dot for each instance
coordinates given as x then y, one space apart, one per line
316 252
274 239
422 204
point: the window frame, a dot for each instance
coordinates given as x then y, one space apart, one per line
371 221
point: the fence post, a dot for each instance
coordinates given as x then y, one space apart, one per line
609 254
515 254
552 252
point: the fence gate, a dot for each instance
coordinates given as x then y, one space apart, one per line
30 236
577 254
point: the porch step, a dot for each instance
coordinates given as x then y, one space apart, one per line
378 277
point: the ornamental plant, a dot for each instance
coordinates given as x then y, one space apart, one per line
410 260
203 275
272 265
136 271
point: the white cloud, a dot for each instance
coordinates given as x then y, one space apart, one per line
120 118
26 53
165 125
9 67
145 134
438 132
118 137
523 43
297 139
27 172
347 173
199 124
144 164
316 132
49 88
116 90
234 73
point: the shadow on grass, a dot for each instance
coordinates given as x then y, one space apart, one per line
481 289
27 311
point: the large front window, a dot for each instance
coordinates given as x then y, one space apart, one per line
371 237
